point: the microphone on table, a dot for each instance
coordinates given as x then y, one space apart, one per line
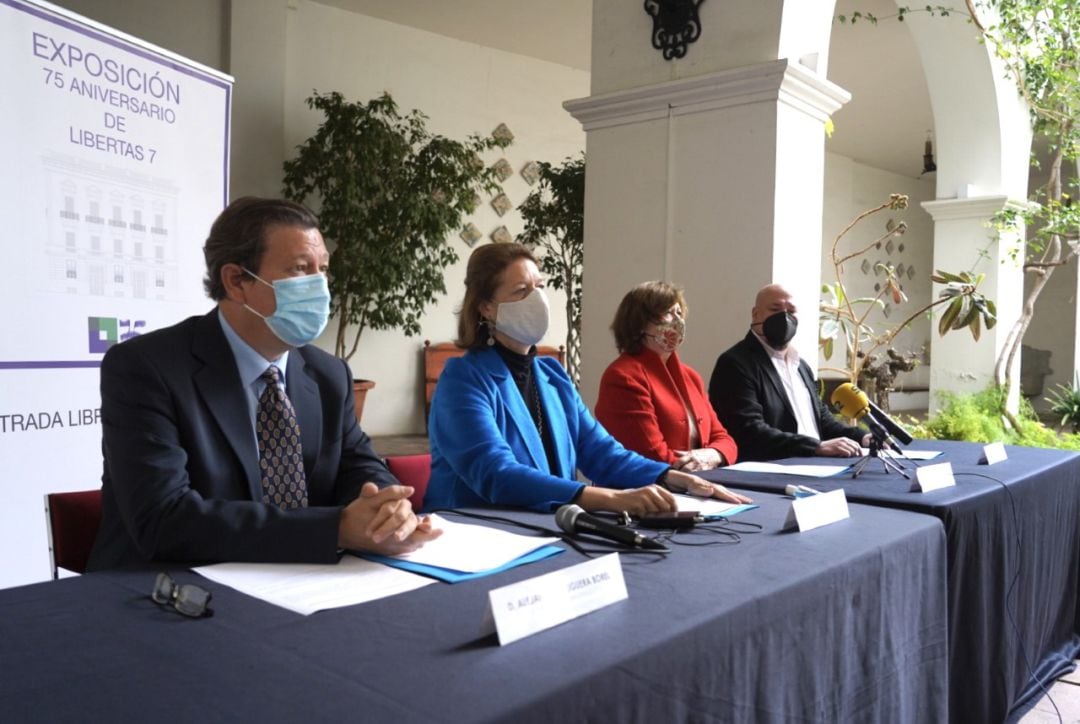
852 402
573 519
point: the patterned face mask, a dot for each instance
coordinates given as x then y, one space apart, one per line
670 334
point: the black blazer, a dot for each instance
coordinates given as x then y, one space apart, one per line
181 477
749 399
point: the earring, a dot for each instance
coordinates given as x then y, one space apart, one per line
489 328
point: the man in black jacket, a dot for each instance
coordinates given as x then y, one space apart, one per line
766 396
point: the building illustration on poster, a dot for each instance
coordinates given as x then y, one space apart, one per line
111 232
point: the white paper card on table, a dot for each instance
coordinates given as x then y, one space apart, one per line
933 477
815 511
527 607
469 548
309 587
994 453
907 454
811 471
706 506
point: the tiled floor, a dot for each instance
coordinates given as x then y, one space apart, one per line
1066 694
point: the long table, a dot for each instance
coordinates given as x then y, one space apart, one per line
1025 527
843 623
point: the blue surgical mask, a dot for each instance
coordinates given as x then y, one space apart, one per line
303 308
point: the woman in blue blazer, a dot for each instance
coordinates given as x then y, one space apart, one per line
508 428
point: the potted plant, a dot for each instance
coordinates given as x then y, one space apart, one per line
554 216
388 192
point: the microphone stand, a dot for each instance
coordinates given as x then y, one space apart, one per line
878 436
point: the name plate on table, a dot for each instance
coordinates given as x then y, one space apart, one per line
815 511
994 453
531 606
933 477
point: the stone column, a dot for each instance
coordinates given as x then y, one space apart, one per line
714 182
964 241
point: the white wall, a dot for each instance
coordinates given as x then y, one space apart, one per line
463 88
850 189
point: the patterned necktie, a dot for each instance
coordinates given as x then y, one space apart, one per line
281 462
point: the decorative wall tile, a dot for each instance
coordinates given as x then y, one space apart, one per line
865 266
501 204
501 235
503 170
889 247
502 133
530 172
911 272
470 234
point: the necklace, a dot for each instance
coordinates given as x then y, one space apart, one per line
538 414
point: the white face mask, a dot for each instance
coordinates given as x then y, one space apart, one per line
526 320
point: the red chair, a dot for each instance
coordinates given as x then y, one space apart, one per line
73 521
412 470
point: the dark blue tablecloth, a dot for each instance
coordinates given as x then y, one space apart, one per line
843 623
989 676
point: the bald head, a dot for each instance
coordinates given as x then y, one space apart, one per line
770 300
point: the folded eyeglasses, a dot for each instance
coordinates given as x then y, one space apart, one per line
186 598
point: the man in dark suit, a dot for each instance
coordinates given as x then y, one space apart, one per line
228 437
766 396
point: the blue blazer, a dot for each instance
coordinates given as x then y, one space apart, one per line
485 449
181 472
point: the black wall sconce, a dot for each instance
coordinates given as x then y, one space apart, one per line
675 25
928 165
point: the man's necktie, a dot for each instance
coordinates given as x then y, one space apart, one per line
281 461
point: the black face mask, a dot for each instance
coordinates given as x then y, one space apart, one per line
779 329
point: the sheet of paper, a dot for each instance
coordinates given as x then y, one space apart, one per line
307 588
471 548
709 507
811 471
908 454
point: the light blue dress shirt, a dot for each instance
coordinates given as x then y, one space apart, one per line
251 365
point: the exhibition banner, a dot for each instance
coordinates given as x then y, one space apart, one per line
117 160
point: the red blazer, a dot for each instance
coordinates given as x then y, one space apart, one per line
641 405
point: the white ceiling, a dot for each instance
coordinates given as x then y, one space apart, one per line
559 31
884 125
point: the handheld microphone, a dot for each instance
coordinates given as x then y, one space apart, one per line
852 402
574 519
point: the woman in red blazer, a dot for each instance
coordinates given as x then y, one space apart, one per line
649 400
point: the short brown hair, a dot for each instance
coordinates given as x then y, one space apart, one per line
238 235
482 276
642 305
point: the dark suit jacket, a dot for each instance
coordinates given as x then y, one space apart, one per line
181 478
749 399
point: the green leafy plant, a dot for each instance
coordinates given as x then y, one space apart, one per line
389 192
1036 41
554 215
844 319
1065 403
978 418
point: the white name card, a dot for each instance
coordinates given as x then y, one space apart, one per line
932 477
994 453
815 511
531 606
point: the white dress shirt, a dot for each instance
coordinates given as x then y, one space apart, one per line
786 363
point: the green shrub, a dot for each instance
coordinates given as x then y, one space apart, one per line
976 418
